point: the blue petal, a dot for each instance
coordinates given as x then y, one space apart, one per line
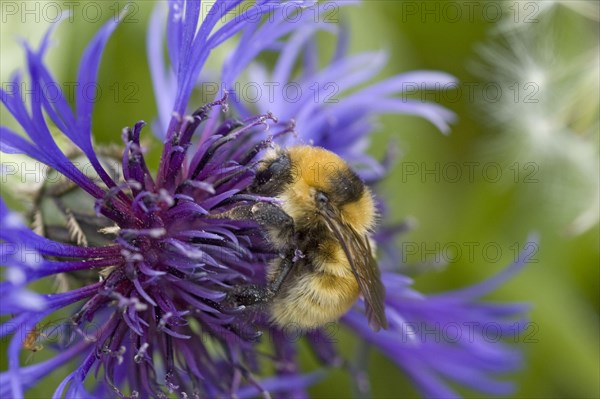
420 343
281 383
31 375
163 80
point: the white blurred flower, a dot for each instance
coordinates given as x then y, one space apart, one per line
549 107
522 14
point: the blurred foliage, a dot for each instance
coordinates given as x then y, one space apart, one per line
562 286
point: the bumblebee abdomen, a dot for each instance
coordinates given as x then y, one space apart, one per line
313 299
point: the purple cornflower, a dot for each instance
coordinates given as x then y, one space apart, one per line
149 322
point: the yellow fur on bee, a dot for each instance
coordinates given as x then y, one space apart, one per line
314 300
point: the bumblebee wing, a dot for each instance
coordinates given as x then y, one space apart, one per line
368 276
361 260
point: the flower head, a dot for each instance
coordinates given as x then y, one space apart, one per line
143 304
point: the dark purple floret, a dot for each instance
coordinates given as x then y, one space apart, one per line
173 259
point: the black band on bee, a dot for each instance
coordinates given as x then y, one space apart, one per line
346 186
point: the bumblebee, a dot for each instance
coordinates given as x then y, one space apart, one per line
322 232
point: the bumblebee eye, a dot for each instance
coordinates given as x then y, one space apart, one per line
321 198
272 171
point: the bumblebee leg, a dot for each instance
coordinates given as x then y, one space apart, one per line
248 295
279 228
278 225
284 269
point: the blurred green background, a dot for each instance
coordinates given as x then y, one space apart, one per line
562 284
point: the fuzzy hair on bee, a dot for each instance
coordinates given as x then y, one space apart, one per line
322 231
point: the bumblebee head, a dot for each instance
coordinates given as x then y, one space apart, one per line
324 184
